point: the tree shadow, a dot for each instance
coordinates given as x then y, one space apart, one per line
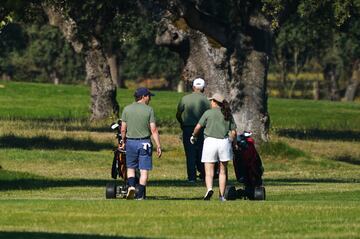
347 159
66 123
306 181
54 235
174 198
44 142
321 134
34 184
10 180
25 181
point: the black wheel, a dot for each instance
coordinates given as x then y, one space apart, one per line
110 190
240 193
259 193
230 193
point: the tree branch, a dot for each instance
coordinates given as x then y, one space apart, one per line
205 23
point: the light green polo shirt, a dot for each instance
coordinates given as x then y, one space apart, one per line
215 124
138 118
192 107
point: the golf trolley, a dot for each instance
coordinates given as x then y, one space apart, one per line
248 170
118 168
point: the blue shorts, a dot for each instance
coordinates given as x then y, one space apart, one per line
139 154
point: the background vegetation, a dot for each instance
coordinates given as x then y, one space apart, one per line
315 50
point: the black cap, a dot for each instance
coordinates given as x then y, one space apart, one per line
142 91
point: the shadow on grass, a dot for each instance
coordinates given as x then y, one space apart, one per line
76 124
53 235
66 123
320 134
44 142
347 159
306 181
39 183
24 181
10 180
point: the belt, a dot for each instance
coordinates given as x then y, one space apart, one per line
138 138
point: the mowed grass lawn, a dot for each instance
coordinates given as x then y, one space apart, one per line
54 166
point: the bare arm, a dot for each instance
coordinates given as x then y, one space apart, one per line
156 137
178 117
123 133
196 130
233 138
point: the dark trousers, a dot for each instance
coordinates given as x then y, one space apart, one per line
193 153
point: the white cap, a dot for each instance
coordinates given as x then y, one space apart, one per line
218 97
199 83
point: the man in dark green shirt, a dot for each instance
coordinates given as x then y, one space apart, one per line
138 124
189 111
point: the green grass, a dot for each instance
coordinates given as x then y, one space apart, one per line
314 115
54 166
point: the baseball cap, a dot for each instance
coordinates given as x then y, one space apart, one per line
217 97
142 91
199 83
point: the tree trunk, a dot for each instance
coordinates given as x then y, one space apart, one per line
249 73
201 58
180 87
331 76
103 90
353 85
316 90
54 76
112 60
236 68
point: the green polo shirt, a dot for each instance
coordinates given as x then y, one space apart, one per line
192 107
138 118
215 124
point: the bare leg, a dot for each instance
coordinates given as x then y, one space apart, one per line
209 175
130 172
222 178
144 175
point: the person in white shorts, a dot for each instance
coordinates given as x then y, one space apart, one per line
220 133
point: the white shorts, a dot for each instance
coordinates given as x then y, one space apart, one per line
215 150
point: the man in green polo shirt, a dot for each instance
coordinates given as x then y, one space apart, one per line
189 111
138 124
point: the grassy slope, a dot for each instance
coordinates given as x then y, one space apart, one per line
55 165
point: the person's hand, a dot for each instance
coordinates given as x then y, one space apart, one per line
193 139
158 151
121 145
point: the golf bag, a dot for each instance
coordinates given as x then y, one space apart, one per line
118 168
119 162
248 170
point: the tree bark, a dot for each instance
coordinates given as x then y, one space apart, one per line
249 67
233 66
331 76
201 58
103 90
353 85
112 61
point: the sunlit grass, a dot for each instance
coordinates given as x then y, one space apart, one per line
54 166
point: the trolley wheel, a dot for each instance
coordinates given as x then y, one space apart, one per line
259 193
110 190
230 193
